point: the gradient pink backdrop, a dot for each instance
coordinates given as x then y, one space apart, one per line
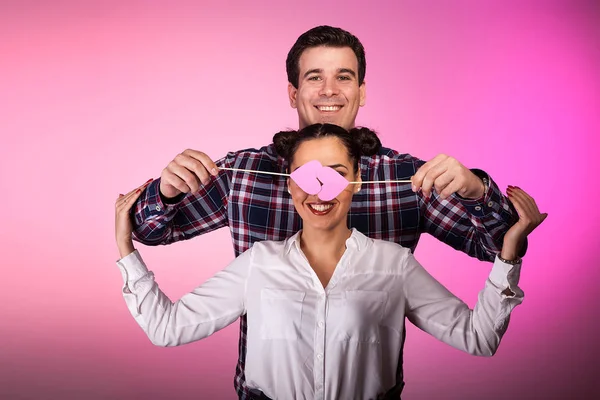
97 97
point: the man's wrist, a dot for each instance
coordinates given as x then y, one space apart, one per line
170 200
484 185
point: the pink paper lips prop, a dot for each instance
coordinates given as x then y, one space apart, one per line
314 178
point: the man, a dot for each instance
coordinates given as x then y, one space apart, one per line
326 69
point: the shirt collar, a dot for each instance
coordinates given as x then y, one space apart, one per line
357 241
291 242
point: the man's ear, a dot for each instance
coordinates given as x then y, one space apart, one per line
292 92
363 93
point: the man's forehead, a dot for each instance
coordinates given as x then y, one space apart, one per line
328 58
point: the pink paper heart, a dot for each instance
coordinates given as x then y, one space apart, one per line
313 178
333 183
306 177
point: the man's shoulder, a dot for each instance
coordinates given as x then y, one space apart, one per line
395 156
264 151
262 158
390 164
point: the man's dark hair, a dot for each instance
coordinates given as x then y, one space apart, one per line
324 36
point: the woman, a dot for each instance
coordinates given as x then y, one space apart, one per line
326 307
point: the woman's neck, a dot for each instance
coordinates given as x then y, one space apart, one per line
327 244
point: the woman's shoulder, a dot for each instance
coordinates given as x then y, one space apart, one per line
383 249
390 248
270 248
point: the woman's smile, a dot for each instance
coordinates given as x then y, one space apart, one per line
321 208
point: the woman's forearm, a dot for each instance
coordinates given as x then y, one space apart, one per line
125 247
510 248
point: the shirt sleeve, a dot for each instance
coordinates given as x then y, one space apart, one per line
210 307
476 227
157 223
432 308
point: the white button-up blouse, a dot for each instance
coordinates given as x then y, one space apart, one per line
310 342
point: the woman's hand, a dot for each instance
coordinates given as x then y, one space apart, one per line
123 226
529 219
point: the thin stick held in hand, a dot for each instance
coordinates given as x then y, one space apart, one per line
256 172
287 175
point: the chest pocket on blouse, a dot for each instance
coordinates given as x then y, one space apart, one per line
281 313
357 316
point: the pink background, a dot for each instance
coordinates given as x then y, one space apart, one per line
97 97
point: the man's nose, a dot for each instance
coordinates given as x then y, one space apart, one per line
329 88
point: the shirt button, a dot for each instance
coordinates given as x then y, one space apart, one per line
157 208
490 204
319 356
321 324
477 208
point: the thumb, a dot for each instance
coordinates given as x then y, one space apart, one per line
544 215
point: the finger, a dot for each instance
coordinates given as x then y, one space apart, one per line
171 178
195 166
432 176
190 171
128 202
451 188
417 178
528 211
132 199
444 185
206 161
520 204
122 205
527 203
145 184
519 201
523 193
530 200
124 198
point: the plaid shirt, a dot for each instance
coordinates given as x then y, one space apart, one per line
258 207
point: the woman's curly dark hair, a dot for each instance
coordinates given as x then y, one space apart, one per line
358 141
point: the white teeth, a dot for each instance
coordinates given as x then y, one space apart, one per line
321 207
328 108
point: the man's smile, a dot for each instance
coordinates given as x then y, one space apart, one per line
330 108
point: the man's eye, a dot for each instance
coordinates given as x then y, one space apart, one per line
344 78
314 78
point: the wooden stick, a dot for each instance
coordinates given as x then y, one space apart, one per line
256 172
280 174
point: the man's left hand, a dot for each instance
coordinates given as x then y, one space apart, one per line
446 175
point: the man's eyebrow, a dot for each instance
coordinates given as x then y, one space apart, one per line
347 71
313 71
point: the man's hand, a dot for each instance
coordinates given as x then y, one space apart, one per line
447 176
185 173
